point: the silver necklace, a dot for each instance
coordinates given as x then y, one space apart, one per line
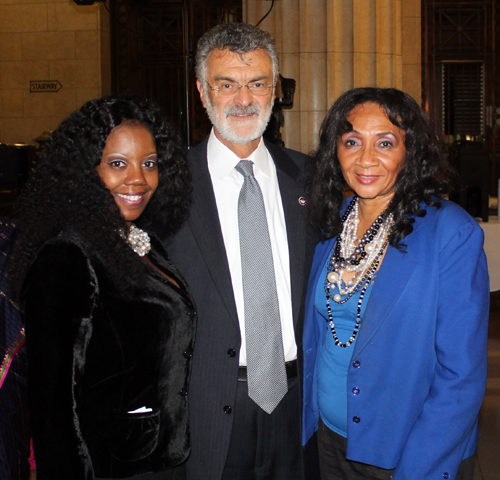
138 240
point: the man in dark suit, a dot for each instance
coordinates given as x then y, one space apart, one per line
234 436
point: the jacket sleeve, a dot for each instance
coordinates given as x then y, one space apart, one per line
439 438
58 296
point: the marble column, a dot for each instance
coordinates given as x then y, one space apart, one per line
330 46
411 48
364 32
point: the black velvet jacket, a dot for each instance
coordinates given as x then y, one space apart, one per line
95 354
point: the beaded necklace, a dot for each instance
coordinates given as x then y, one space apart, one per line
361 256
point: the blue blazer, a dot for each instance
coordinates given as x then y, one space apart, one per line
419 360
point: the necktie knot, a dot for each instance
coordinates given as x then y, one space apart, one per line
245 167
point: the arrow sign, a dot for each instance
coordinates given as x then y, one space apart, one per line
44 86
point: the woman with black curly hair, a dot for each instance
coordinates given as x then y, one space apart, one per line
109 321
397 308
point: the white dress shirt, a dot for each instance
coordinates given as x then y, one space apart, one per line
227 183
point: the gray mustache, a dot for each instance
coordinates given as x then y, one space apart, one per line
242 110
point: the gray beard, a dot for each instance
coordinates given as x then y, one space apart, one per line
225 130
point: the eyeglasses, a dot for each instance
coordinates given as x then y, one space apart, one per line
229 89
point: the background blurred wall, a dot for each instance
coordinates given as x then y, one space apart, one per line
52 40
327 46
330 46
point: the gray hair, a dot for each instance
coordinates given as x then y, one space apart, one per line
240 38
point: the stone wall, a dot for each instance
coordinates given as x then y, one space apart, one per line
49 40
330 46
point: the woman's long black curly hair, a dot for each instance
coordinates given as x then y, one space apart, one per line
426 175
65 192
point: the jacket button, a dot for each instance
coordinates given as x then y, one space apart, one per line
446 475
231 352
355 390
192 313
356 419
183 392
188 354
356 363
227 409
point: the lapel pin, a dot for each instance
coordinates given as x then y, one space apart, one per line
302 200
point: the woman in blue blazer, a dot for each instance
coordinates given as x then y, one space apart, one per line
396 314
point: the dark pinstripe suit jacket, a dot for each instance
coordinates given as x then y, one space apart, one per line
198 251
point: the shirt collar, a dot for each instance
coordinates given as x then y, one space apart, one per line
222 159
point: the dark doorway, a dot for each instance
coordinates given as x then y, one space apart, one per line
149 53
460 83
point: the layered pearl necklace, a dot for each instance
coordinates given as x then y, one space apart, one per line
361 256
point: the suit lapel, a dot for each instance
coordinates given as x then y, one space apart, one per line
205 226
291 191
391 280
321 256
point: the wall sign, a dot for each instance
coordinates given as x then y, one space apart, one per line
44 86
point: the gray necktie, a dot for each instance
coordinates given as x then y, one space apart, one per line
266 374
